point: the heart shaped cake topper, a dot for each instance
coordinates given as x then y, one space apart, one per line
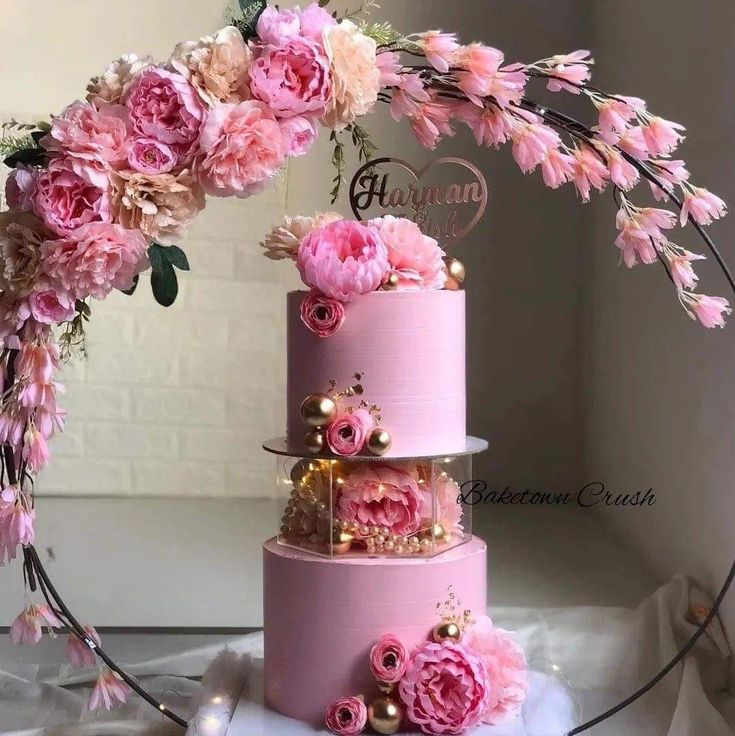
446 197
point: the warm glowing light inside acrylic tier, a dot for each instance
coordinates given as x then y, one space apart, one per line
348 507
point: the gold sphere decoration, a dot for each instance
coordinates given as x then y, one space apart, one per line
438 533
385 715
456 273
318 410
379 442
391 283
446 631
315 441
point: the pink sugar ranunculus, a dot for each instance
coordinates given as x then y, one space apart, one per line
506 667
51 307
165 107
84 131
346 717
389 659
414 257
343 260
95 259
148 156
20 187
445 689
71 192
241 147
348 433
292 79
322 314
299 134
377 494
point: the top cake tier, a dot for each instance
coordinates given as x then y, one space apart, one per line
408 349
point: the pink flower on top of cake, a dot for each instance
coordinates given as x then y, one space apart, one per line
380 495
506 668
322 314
445 689
414 257
299 134
389 659
343 260
348 433
347 717
284 240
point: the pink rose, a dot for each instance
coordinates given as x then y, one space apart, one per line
314 20
322 315
51 307
95 259
277 27
70 193
343 260
348 433
377 494
292 79
506 668
241 147
413 256
89 133
445 689
299 134
20 188
389 660
165 107
346 717
151 157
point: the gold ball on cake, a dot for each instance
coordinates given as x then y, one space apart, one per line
456 273
391 283
341 542
385 715
438 533
318 410
379 442
446 631
315 441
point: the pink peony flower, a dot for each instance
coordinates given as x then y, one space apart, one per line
346 717
439 49
414 257
506 668
349 432
709 310
702 206
277 27
165 107
389 659
570 71
314 21
661 136
343 260
71 192
589 171
292 79
377 494
109 690
95 259
148 156
241 147
680 268
80 654
28 626
20 188
445 689
51 307
87 132
321 314
299 134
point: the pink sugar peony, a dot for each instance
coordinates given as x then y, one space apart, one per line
377 494
28 626
20 187
277 27
314 20
414 257
292 79
343 260
95 259
321 314
87 132
151 157
349 432
70 193
506 668
51 307
241 147
389 659
80 654
445 689
346 717
165 107
299 134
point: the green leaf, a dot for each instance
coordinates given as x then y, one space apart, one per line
165 285
28 156
131 290
176 257
250 12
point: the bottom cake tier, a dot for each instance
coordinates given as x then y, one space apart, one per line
322 617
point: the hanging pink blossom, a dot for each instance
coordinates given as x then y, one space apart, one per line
557 168
109 691
569 72
589 172
409 97
673 172
532 142
702 206
680 268
79 653
439 48
489 125
709 310
661 136
28 626
431 121
389 64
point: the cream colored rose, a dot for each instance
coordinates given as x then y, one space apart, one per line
159 206
111 86
21 235
355 74
284 240
217 66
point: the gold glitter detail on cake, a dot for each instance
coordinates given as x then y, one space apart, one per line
450 611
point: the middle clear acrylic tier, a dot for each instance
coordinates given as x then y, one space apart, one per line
370 507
